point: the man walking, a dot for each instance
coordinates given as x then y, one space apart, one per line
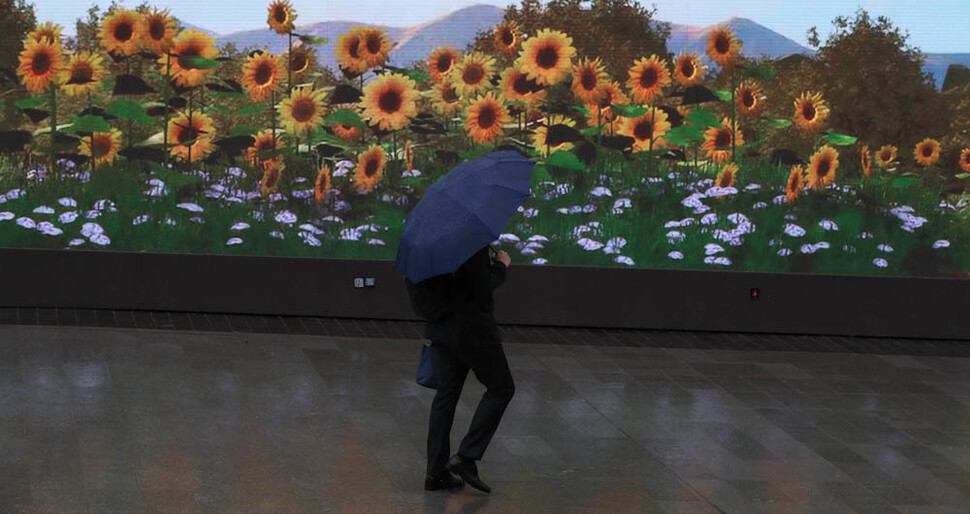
468 338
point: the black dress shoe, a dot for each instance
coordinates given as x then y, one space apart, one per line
448 481
468 471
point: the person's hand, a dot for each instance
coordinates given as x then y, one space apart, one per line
504 258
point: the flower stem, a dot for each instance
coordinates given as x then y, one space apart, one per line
734 123
53 106
191 94
289 64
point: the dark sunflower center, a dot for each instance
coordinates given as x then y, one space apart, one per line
102 145
354 49
300 61
303 110
687 68
279 14
793 183
507 37
824 166
607 98
884 156
726 179
156 29
263 74
588 80
487 117
521 85
547 57
390 101
370 169
808 111
747 98
966 157
188 52
187 133
41 63
473 74
643 130
449 95
374 44
927 150
723 138
444 63
722 44
123 31
82 73
648 78
265 144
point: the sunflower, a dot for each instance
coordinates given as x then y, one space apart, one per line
886 156
749 99
516 86
473 73
121 32
281 16
389 101
866 161
158 31
822 167
83 74
441 61
349 52
322 184
727 175
300 59
651 125
260 74
723 46
588 76
507 38
486 115
689 69
46 33
796 182
445 98
190 43
106 146
370 169
271 177
811 112
648 77
927 152
303 110
40 64
601 113
201 130
375 46
721 137
348 134
261 153
408 155
547 57
539 135
965 160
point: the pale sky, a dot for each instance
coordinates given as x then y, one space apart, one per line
934 25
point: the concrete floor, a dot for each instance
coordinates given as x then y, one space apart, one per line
132 420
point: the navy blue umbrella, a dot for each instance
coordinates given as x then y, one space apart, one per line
463 212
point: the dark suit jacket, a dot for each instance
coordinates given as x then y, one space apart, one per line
471 322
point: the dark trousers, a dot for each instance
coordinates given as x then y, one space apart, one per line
492 370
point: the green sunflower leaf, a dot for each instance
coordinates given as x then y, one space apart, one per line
722 95
243 130
702 118
345 117
89 123
684 135
565 159
629 111
840 139
313 40
963 175
194 62
29 103
778 123
253 109
128 109
905 182
742 147
759 73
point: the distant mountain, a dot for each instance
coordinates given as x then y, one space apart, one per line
459 29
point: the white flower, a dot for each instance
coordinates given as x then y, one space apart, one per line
345 164
197 219
43 209
539 261
538 239
752 187
575 209
600 191
286 217
620 259
15 193
675 236
508 238
590 245
563 210
942 243
303 193
721 191
411 173
784 252
100 239
239 225
720 261
779 200
140 219
623 203
885 248
376 242
350 234
530 213
759 205
709 219
92 214
828 225
672 224
332 219
234 241
311 229
7 216
528 251
849 249
882 263
190 207
711 249
90 229
589 208
865 235
236 172
170 221
794 230
617 242
275 196
76 242
277 234
737 218
105 204
309 238
693 201
675 255
26 222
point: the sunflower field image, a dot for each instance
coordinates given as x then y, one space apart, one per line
657 145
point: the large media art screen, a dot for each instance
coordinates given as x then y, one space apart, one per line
774 137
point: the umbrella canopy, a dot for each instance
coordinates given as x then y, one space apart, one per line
463 212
